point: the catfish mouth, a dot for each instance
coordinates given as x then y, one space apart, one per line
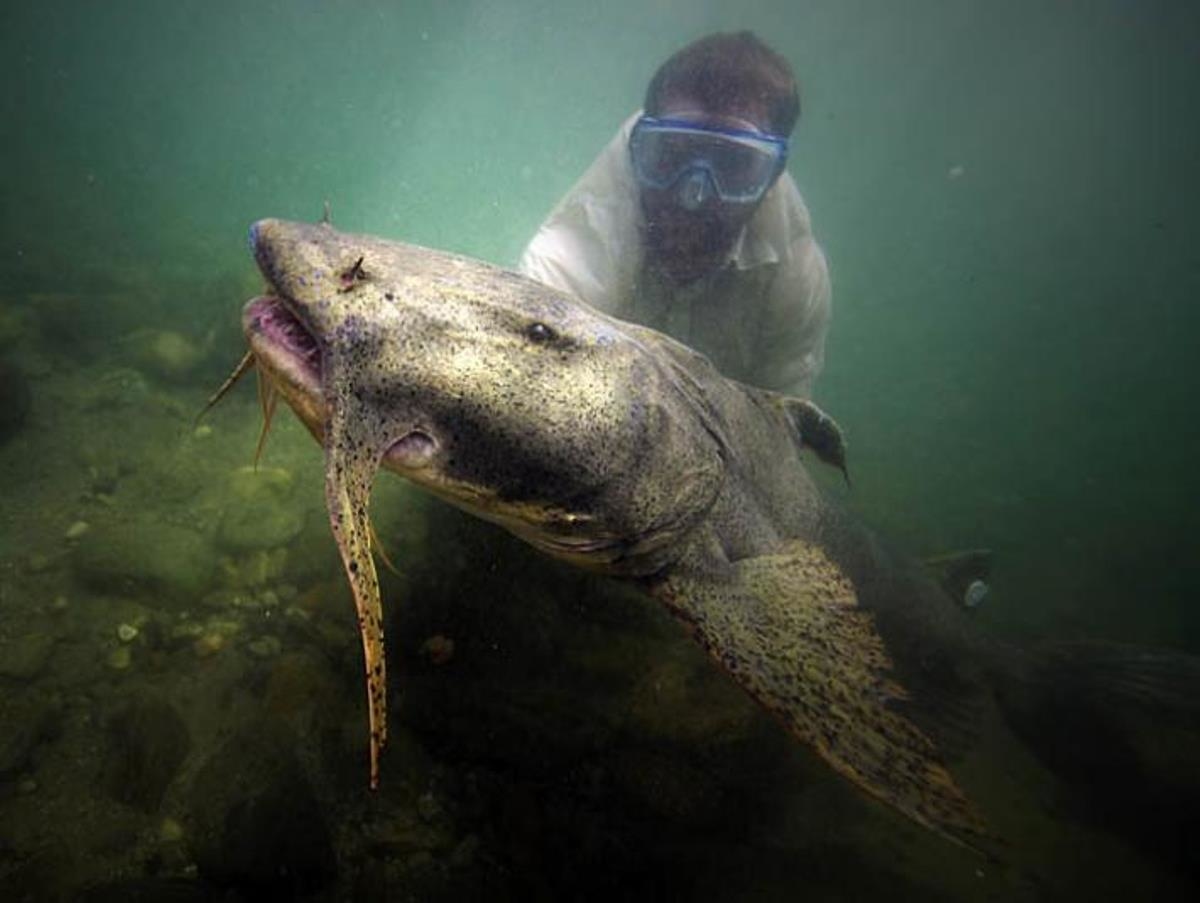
280 340
285 347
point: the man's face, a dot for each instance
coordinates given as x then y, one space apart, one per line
689 231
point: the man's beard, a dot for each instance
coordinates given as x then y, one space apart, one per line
684 245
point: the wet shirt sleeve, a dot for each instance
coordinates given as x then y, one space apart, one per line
588 245
796 321
558 256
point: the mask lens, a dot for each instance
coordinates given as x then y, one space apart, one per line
661 156
742 170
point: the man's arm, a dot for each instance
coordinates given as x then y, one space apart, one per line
797 321
588 245
560 253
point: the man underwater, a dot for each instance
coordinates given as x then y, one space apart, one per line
688 222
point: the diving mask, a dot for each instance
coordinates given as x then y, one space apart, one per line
737 165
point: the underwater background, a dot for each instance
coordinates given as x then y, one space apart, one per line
1004 192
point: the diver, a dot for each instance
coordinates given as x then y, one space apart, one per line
689 223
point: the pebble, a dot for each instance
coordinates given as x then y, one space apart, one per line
187 630
438 649
127 633
224 626
77 529
29 785
209 644
225 598
170 831
265 646
120 658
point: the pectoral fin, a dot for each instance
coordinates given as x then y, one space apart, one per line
789 629
814 429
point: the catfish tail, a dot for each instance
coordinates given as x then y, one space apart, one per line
1161 683
1120 727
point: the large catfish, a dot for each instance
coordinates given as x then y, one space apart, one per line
620 450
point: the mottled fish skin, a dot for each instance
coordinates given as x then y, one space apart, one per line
608 445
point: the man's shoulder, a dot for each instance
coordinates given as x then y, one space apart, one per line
779 229
589 242
784 214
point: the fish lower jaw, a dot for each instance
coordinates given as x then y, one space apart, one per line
281 342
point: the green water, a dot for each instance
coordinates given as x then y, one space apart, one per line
1004 193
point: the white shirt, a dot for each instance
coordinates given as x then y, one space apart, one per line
761 318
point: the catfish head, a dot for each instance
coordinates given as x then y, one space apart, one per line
519 403
512 400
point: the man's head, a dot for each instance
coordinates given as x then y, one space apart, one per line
733 74
712 142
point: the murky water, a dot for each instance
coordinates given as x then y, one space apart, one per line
1004 192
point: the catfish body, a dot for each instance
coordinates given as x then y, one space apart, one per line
618 449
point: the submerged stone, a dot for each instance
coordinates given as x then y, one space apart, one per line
265 646
120 658
77 529
24 657
145 554
165 353
261 513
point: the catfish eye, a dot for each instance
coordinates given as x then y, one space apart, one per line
540 333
